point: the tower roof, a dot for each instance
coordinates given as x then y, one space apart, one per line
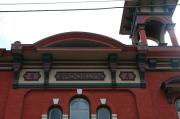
144 7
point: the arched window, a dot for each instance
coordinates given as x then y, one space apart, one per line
55 113
79 109
178 107
103 113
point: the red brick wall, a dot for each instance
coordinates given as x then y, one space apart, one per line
121 102
134 103
161 108
5 85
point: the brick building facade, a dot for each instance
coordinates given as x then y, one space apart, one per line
80 75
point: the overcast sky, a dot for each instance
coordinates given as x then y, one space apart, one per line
31 27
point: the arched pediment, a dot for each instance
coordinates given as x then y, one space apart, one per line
78 43
78 40
76 46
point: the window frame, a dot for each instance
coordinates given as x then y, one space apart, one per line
55 107
106 107
75 98
178 111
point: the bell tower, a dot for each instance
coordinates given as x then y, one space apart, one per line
147 20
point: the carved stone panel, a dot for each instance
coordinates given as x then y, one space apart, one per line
80 76
127 76
32 76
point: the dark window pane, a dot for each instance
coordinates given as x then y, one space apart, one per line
55 113
104 113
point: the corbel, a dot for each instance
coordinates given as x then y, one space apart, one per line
17 64
47 62
113 60
141 66
16 49
152 3
170 26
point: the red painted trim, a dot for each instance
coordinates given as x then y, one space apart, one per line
142 35
163 55
164 49
5 53
163 52
79 35
78 49
1 52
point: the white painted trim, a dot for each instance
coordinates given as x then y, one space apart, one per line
65 116
43 116
114 116
55 101
79 91
103 101
93 116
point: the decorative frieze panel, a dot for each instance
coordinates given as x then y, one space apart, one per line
79 76
127 76
32 76
74 76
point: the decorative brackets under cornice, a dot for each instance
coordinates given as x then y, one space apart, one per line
47 62
17 64
113 59
141 61
171 89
